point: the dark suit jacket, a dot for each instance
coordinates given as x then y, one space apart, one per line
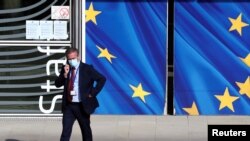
87 76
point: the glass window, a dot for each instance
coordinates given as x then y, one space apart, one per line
25 72
15 13
28 67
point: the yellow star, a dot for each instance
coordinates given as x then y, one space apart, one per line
91 14
193 110
244 87
246 60
139 92
226 100
237 24
105 53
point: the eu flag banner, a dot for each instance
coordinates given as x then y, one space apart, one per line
126 41
211 60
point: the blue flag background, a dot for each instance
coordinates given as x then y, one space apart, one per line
126 41
211 62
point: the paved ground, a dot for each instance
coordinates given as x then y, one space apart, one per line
117 128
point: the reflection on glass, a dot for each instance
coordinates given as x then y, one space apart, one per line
24 70
13 15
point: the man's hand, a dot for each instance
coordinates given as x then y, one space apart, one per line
66 70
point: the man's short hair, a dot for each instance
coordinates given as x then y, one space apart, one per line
70 50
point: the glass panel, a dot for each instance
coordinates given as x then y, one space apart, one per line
25 72
14 13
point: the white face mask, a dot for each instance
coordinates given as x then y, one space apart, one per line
73 62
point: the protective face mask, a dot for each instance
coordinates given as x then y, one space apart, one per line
73 62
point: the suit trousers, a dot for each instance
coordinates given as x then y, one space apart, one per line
72 112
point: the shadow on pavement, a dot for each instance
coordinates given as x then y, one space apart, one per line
12 140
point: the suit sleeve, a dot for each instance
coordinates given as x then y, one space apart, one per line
60 79
99 79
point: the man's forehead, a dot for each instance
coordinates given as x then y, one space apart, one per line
72 55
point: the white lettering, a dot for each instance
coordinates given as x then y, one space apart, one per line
48 50
56 62
52 104
215 132
243 133
49 87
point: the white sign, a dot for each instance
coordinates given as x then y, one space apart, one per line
46 30
32 29
60 12
60 30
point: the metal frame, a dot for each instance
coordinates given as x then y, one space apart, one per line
32 42
36 44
